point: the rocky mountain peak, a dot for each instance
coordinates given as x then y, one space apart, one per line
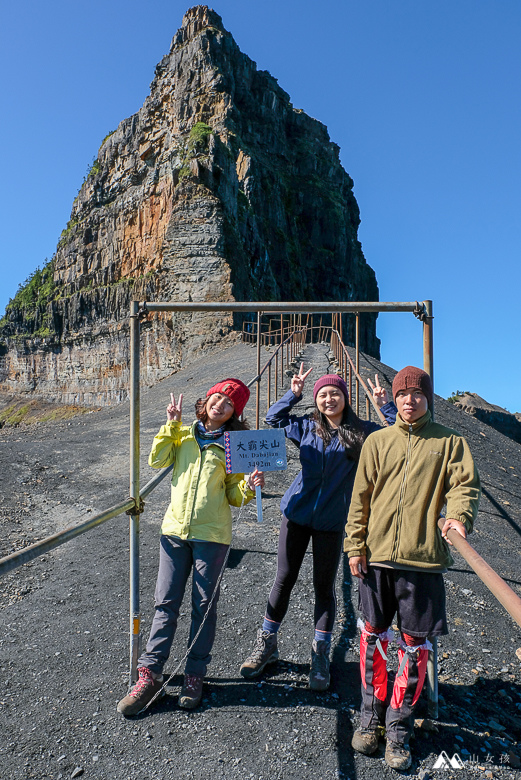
196 19
216 189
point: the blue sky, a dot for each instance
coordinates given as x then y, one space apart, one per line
422 98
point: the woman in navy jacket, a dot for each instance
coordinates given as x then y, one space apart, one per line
315 507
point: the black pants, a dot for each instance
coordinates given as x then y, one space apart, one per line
417 598
327 549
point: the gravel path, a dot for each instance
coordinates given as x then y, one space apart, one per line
64 618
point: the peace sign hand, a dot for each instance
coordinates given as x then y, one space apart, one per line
173 410
297 382
379 393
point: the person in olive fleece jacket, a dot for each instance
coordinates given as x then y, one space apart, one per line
407 474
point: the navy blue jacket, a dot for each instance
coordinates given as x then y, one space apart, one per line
320 494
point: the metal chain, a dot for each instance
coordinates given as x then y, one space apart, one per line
217 584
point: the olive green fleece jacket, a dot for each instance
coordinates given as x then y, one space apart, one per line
201 491
406 474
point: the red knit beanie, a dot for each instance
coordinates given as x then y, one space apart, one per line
412 378
330 379
236 391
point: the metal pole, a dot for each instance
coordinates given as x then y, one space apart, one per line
497 586
281 351
357 363
432 660
428 346
432 680
135 617
276 374
18 558
268 402
288 345
257 397
271 307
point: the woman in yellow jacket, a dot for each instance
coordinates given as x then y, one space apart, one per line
195 535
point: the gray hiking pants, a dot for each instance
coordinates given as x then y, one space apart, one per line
177 558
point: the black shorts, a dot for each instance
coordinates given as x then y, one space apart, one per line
417 599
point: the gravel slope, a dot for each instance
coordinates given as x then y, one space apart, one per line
64 619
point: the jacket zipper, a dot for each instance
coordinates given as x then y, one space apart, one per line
400 498
321 483
205 447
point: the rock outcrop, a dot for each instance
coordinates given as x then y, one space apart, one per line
495 416
216 190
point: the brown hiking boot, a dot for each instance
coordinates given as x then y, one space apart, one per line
143 691
191 692
397 756
264 652
366 740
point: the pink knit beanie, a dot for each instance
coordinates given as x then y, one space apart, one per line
330 379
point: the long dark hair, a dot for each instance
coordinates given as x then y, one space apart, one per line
350 432
233 424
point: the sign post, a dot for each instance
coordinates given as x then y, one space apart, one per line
249 450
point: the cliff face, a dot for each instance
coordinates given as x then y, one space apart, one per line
217 189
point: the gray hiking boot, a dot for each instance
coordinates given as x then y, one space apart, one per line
143 691
397 756
191 692
366 740
264 652
319 672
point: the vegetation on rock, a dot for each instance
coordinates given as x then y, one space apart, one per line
196 146
198 137
35 293
456 395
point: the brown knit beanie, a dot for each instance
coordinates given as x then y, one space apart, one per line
410 378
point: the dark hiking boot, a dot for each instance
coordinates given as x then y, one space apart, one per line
264 652
319 673
397 756
191 692
142 693
366 740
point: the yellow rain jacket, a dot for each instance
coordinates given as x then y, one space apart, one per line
202 491
406 474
